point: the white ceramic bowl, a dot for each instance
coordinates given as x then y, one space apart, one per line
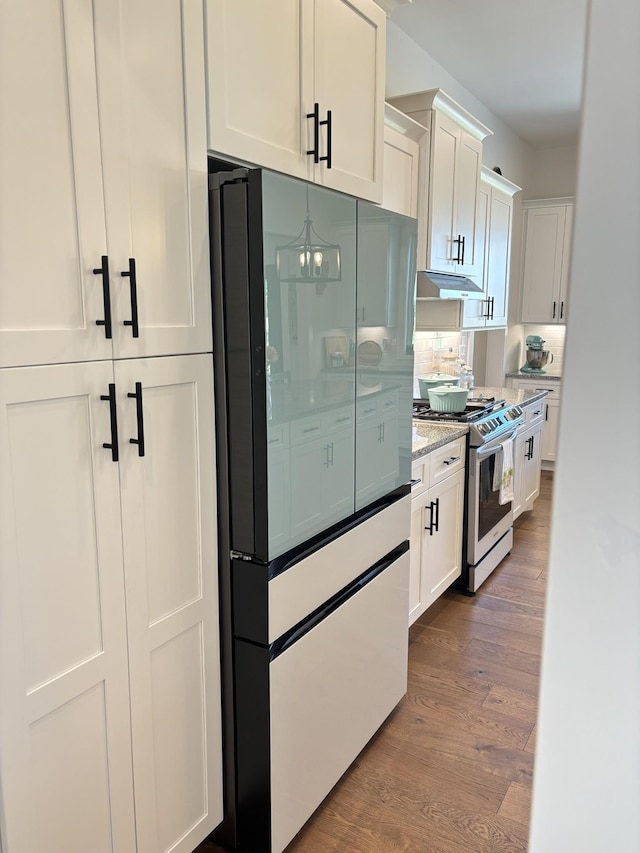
446 398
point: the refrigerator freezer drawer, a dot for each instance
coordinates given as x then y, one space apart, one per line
308 584
330 692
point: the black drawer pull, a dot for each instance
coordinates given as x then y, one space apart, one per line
315 151
113 445
103 270
451 461
137 395
133 290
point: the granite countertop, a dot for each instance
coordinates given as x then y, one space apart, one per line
526 374
512 396
428 436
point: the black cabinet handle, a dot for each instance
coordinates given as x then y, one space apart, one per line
459 242
529 453
561 309
430 527
533 439
493 299
437 521
553 316
546 414
451 460
327 122
315 115
139 417
463 239
133 290
113 445
103 270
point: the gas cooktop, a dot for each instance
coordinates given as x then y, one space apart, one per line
488 417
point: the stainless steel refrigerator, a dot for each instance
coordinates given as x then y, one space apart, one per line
313 307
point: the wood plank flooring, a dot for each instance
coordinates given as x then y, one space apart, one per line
451 770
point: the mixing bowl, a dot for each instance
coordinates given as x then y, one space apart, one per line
538 358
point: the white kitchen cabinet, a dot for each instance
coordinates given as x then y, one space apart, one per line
268 67
551 412
436 525
546 260
110 731
453 182
406 155
527 459
376 446
122 175
493 233
321 471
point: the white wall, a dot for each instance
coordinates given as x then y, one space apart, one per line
587 769
553 173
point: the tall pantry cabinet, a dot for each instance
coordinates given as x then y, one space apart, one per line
109 661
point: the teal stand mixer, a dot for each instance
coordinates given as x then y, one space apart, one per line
537 357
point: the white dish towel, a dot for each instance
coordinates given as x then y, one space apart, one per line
503 471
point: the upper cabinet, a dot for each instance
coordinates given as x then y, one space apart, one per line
547 249
104 247
406 155
298 86
452 185
493 233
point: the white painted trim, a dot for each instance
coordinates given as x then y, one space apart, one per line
499 181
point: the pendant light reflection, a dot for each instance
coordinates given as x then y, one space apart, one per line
308 258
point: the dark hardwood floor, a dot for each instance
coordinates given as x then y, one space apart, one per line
451 770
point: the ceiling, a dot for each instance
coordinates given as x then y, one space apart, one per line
522 59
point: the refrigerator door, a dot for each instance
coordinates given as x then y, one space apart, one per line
284 316
386 275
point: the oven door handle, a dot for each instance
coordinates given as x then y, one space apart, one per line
494 448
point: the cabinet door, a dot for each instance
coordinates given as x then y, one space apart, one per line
258 91
467 187
475 310
544 237
498 258
442 548
550 430
349 45
531 468
400 173
566 263
445 141
152 105
51 198
65 747
169 536
338 476
308 462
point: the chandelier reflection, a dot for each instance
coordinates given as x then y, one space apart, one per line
308 258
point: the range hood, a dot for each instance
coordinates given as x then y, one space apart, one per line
440 285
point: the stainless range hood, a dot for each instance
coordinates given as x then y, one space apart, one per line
439 285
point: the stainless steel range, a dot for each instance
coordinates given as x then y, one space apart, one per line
488 523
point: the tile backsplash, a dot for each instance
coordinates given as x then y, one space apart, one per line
429 345
554 342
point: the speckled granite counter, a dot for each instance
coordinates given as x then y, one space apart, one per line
429 436
512 396
554 377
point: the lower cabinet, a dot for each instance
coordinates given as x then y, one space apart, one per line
436 525
527 460
109 651
551 412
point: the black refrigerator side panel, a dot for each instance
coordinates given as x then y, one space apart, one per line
244 321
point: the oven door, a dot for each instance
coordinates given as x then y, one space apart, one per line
488 520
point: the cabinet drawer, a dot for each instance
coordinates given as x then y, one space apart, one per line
447 460
420 470
367 409
278 436
306 429
337 420
533 414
